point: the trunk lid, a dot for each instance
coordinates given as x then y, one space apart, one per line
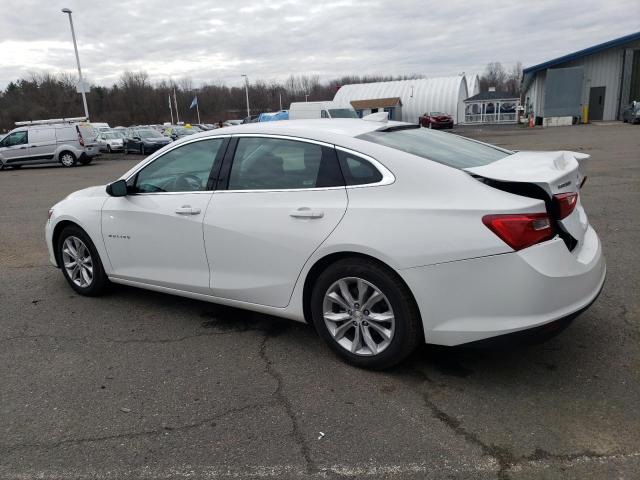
552 172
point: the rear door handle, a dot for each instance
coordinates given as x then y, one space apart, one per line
187 210
306 212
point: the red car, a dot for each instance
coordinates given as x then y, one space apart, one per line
436 120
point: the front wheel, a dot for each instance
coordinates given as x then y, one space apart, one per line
80 262
365 313
86 160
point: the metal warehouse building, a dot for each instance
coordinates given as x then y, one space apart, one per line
406 100
592 84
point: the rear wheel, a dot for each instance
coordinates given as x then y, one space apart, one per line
68 159
86 160
80 262
365 313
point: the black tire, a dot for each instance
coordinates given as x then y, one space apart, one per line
16 167
408 332
67 159
109 149
141 149
86 160
125 148
100 282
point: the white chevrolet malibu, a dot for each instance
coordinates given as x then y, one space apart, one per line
382 235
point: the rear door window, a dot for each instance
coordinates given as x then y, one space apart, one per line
274 164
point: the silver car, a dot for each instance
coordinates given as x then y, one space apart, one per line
45 141
631 114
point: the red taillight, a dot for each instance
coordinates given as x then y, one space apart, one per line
80 139
520 230
565 203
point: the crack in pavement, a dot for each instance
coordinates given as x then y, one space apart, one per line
156 431
506 459
284 401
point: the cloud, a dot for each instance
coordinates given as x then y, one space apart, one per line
217 42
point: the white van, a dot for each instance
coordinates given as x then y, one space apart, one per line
309 110
49 141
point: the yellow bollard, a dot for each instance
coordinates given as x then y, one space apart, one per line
585 114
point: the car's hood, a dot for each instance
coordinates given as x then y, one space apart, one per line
156 139
97 191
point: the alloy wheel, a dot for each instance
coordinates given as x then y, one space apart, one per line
77 261
358 316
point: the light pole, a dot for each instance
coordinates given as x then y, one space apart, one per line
75 46
246 89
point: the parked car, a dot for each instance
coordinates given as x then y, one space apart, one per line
48 141
383 235
144 140
631 114
100 127
436 120
311 110
110 141
178 131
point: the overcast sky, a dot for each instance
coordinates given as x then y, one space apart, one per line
215 41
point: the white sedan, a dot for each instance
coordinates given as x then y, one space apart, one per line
110 141
382 235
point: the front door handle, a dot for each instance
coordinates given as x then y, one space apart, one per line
187 210
306 212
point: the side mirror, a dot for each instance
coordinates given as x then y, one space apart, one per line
117 188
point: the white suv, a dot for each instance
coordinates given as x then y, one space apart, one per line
39 142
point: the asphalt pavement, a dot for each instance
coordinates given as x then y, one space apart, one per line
139 384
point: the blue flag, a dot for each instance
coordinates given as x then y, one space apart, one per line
194 102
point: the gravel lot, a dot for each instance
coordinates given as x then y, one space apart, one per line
143 385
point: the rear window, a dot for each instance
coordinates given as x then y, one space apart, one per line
445 148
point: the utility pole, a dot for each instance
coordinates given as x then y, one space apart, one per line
246 89
75 47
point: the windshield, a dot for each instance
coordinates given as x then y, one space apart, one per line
148 134
445 148
109 135
437 114
342 113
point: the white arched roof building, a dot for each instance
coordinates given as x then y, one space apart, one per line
473 85
443 94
